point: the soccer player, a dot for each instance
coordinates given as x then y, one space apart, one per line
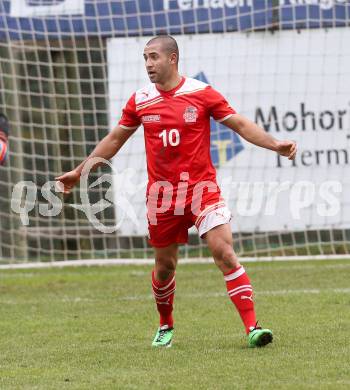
4 132
182 191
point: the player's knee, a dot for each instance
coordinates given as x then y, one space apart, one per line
163 273
227 255
224 256
222 251
165 267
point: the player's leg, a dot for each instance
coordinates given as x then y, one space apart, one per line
169 231
219 240
163 285
239 288
165 262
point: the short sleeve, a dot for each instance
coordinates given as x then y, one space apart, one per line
129 119
218 106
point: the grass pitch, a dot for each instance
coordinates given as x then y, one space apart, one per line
91 328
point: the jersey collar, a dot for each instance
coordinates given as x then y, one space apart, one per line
172 91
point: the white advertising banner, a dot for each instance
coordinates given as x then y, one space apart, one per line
296 86
34 8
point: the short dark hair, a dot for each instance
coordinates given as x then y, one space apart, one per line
169 44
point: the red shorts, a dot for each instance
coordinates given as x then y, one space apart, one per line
170 228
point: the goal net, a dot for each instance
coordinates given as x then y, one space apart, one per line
67 68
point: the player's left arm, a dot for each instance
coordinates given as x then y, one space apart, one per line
254 134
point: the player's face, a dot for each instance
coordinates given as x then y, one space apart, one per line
158 63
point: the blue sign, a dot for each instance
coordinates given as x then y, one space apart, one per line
151 17
224 143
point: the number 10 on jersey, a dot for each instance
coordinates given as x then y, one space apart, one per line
171 137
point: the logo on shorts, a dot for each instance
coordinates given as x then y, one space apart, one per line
190 114
150 118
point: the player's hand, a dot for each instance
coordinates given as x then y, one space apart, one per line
287 149
67 181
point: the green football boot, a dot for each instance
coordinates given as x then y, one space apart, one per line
259 337
163 337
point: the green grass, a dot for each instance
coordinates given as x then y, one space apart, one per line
91 328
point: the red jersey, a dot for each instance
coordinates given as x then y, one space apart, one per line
177 129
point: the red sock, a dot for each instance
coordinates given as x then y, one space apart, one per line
164 292
241 293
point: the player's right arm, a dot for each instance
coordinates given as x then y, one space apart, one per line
106 149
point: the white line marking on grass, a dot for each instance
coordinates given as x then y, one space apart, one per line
288 266
222 294
179 295
93 262
17 275
77 299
